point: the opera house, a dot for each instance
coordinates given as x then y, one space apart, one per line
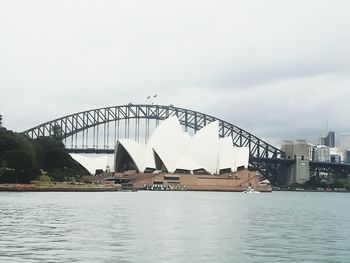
174 158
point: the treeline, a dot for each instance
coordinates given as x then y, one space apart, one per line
23 160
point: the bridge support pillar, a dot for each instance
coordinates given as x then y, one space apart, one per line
299 171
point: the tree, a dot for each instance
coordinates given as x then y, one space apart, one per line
21 158
22 163
56 131
17 158
54 158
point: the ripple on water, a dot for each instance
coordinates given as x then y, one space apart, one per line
174 227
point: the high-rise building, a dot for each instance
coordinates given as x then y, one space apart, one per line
347 157
337 155
345 141
322 153
311 151
328 139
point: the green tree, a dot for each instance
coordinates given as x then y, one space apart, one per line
23 165
21 158
17 158
54 158
56 131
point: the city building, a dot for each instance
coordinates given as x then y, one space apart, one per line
322 153
346 157
311 151
344 139
337 155
171 150
328 139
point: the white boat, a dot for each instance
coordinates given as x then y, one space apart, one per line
251 190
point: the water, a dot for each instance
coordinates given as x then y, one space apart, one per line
174 227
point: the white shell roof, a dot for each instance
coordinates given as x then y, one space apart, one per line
164 140
178 150
227 158
203 148
241 157
135 150
94 161
171 145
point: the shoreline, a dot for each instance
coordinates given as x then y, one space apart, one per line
311 191
58 187
101 188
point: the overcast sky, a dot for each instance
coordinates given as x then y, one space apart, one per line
277 68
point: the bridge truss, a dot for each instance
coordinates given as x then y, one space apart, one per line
90 125
96 131
333 168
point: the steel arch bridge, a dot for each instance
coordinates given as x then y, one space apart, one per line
96 127
71 125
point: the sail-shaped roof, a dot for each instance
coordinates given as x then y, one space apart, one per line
226 154
241 157
177 150
166 140
135 150
203 148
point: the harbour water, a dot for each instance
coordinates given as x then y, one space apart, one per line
174 227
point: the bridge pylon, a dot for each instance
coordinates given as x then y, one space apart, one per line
297 172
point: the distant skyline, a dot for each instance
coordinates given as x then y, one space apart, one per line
278 69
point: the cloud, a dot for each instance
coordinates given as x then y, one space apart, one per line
279 69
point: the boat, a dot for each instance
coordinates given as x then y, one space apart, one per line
251 190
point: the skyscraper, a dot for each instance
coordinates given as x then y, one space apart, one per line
328 140
345 141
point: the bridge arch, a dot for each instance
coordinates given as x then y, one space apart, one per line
73 124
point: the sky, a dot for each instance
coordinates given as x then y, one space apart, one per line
279 69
